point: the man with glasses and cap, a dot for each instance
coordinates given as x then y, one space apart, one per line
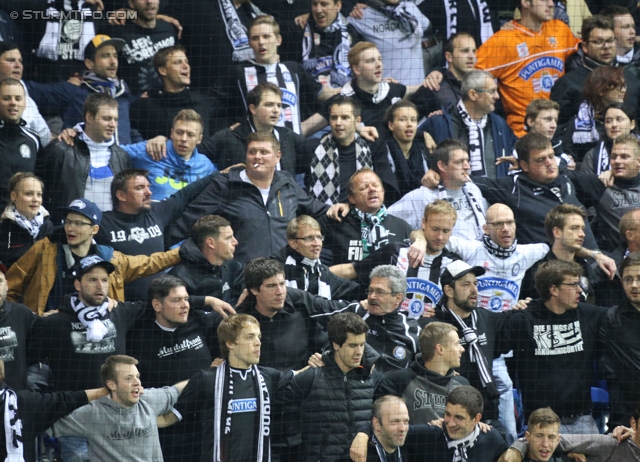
41 277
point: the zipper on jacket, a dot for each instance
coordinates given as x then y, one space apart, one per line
280 205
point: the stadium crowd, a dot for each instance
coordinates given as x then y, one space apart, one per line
319 230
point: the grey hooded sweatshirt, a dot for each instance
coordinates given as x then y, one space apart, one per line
117 433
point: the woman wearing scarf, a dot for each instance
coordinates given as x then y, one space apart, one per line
619 120
604 85
24 220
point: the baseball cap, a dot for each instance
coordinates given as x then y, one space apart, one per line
458 269
84 207
88 263
100 41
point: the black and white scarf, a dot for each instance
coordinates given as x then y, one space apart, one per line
371 228
476 140
33 225
66 36
236 31
282 78
92 318
12 426
461 447
407 22
603 160
338 66
382 454
222 416
475 353
585 130
497 251
379 96
310 270
325 167
474 202
481 7
112 87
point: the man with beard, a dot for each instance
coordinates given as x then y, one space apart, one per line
390 423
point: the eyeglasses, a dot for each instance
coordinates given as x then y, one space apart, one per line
378 292
602 42
500 224
310 239
574 285
629 280
76 224
491 91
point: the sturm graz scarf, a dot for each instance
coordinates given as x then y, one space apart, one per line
338 64
460 447
223 413
497 251
476 140
12 426
236 31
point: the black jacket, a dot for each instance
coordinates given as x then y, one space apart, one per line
37 412
291 335
19 148
225 282
229 147
621 359
15 240
319 280
259 229
154 115
65 169
530 202
336 407
428 101
344 238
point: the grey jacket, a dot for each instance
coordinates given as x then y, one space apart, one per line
117 433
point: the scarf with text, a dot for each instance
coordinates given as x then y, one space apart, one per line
475 353
236 31
338 64
12 426
372 229
66 36
497 251
407 22
481 12
460 447
112 87
476 140
325 167
290 114
223 413
585 125
92 318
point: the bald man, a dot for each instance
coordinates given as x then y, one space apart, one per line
505 263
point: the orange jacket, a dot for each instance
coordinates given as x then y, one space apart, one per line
526 64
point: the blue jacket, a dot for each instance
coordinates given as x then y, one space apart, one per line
171 174
439 127
67 99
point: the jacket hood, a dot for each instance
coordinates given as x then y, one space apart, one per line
189 252
417 366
